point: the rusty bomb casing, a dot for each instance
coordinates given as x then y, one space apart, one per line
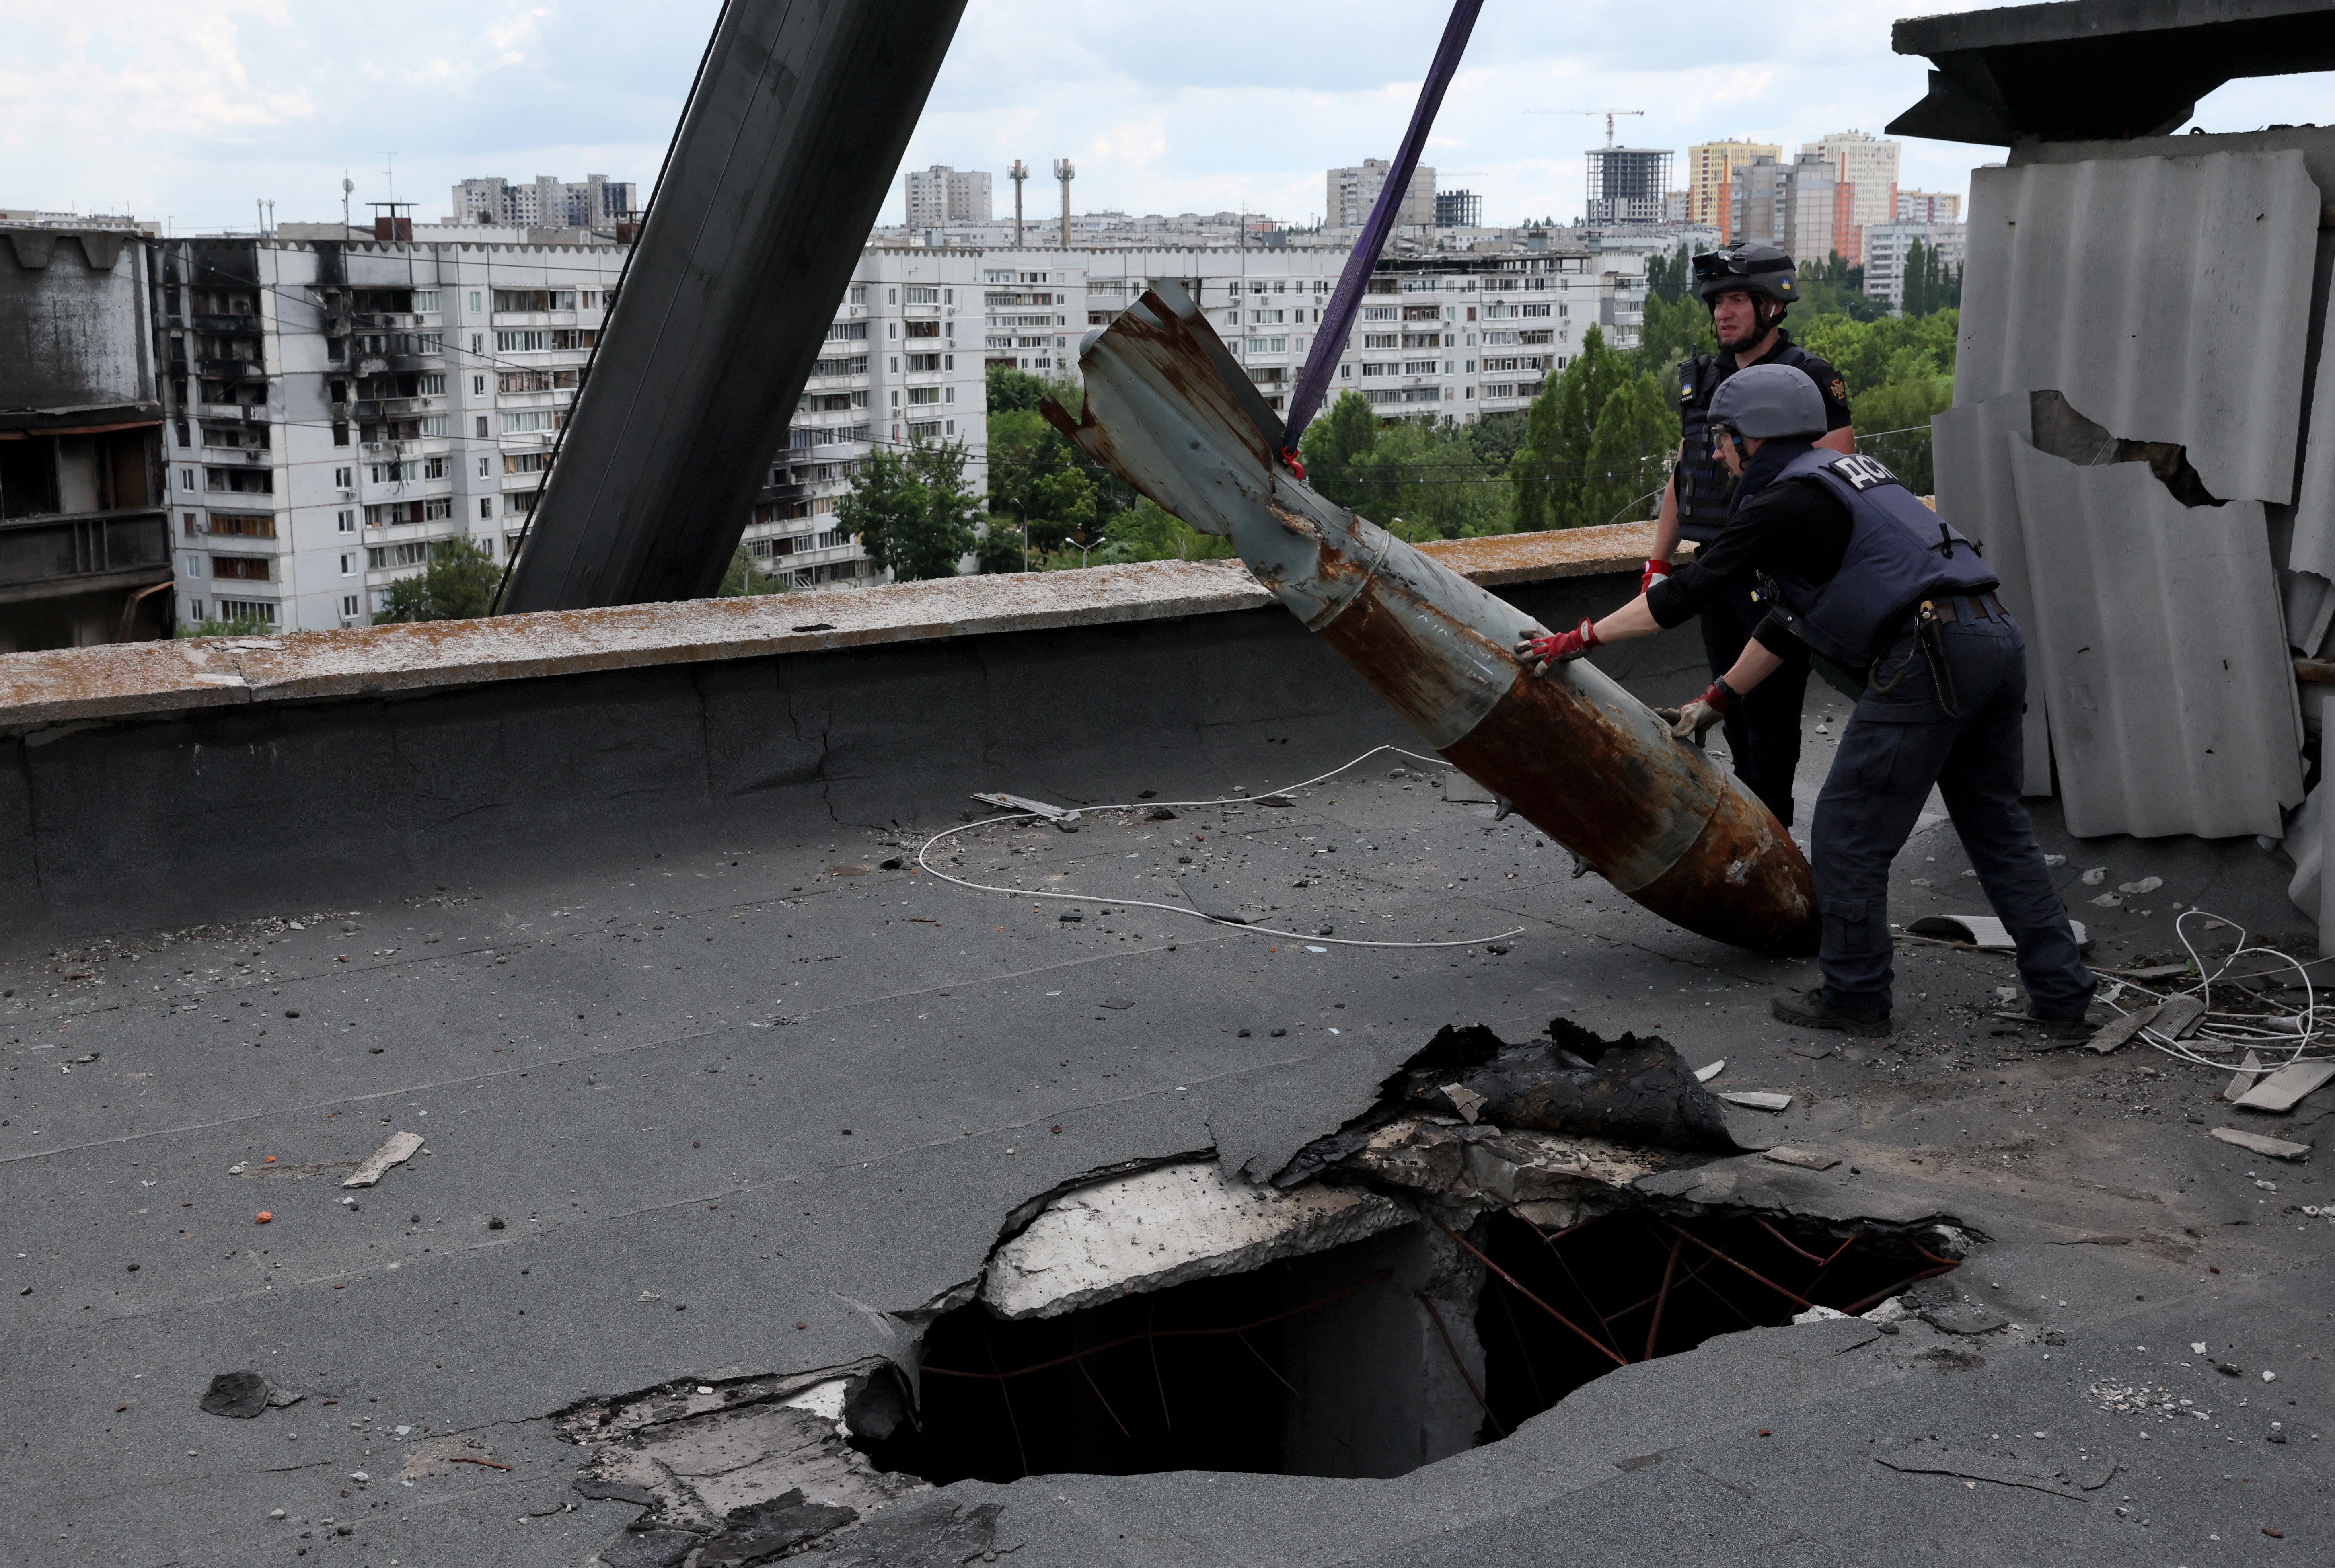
1169 412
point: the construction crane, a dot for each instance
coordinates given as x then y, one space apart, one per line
1611 115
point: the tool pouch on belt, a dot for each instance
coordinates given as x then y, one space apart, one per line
1930 632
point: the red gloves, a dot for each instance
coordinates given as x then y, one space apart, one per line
1655 573
1558 646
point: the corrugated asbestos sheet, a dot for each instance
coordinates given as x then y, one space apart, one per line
2311 557
2160 650
2165 298
2310 889
1975 493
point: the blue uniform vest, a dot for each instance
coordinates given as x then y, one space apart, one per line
1899 553
1703 484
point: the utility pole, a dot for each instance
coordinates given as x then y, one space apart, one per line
1065 171
1018 173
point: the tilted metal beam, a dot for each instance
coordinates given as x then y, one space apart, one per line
799 118
1583 760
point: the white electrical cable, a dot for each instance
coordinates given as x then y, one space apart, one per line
1186 909
2294 1042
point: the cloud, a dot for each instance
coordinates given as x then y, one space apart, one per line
191 108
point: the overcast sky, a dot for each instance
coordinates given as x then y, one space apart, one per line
188 110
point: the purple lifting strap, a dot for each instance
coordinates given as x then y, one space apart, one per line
1330 337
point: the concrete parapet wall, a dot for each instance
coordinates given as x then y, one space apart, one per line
161 784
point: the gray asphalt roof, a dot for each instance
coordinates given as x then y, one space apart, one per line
712 1097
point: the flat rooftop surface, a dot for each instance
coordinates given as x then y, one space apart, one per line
718 1115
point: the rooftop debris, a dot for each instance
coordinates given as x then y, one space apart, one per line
1630 1090
1170 411
399 1147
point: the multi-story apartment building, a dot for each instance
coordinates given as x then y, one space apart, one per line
940 196
84 540
1450 334
337 410
1350 193
1867 165
1929 206
1711 170
1886 245
1798 206
594 202
903 363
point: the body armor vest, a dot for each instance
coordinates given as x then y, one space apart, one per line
1899 553
1703 484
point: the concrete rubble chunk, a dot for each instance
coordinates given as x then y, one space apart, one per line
399 1147
2283 1089
1464 1100
1806 1159
1710 1071
2255 1143
1757 1098
1163 1227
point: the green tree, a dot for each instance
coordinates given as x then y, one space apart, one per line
1015 390
239 627
1423 479
1668 276
1834 286
1671 332
1336 442
1004 547
1147 532
459 584
744 578
1628 456
1558 428
912 511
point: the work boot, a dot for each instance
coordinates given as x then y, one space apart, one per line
1810 1010
2057 1032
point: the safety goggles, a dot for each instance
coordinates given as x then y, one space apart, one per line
1713 264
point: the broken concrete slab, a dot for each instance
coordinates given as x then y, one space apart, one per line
765 1531
1162 1227
2255 1143
939 1533
710 1461
2283 1090
1806 1159
396 1151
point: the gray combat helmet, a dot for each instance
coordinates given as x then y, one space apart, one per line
1769 402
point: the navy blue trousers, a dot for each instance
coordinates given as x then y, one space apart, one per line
1899 742
1763 730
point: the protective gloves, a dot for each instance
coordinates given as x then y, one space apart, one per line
1694 720
1655 573
1536 653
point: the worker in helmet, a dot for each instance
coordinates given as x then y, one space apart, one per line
1897 609
1749 287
